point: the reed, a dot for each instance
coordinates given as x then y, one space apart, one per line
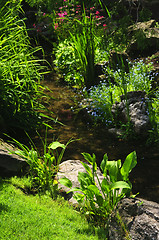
20 71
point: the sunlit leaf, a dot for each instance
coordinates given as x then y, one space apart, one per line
103 165
66 182
129 163
56 145
88 169
120 184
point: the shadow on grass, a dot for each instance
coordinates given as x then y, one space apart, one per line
3 207
100 231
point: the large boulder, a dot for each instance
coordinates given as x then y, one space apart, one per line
10 164
139 217
138 111
145 39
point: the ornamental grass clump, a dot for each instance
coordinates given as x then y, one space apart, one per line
20 71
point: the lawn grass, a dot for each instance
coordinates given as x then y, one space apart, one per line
38 218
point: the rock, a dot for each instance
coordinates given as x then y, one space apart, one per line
140 217
138 111
70 169
143 25
145 39
10 164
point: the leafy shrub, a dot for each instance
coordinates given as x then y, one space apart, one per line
101 201
104 95
42 169
66 63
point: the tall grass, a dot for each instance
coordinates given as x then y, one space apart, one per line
19 70
85 43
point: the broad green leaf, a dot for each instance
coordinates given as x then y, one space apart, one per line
105 186
94 189
76 189
84 179
66 182
55 145
88 169
89 158
99 200
114 169
79 197
120 184
129 163
94 163
103 165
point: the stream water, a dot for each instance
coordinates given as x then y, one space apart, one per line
144 177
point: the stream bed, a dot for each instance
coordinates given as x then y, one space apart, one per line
144 177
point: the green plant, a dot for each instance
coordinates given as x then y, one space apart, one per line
83 29
117 83
100 198
42 169
66 63
20 71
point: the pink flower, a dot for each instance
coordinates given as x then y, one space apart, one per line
64 0
56 26
100 17
44 14
64 13
61 15
97 12
92 8
104 25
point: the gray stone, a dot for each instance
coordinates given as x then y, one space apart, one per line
10 164
140 217
138 111
145 38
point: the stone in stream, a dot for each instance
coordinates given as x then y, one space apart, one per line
138 111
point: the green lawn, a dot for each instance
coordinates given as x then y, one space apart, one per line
38 218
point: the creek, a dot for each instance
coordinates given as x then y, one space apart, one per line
97 140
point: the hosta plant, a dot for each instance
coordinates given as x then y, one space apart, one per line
99 198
